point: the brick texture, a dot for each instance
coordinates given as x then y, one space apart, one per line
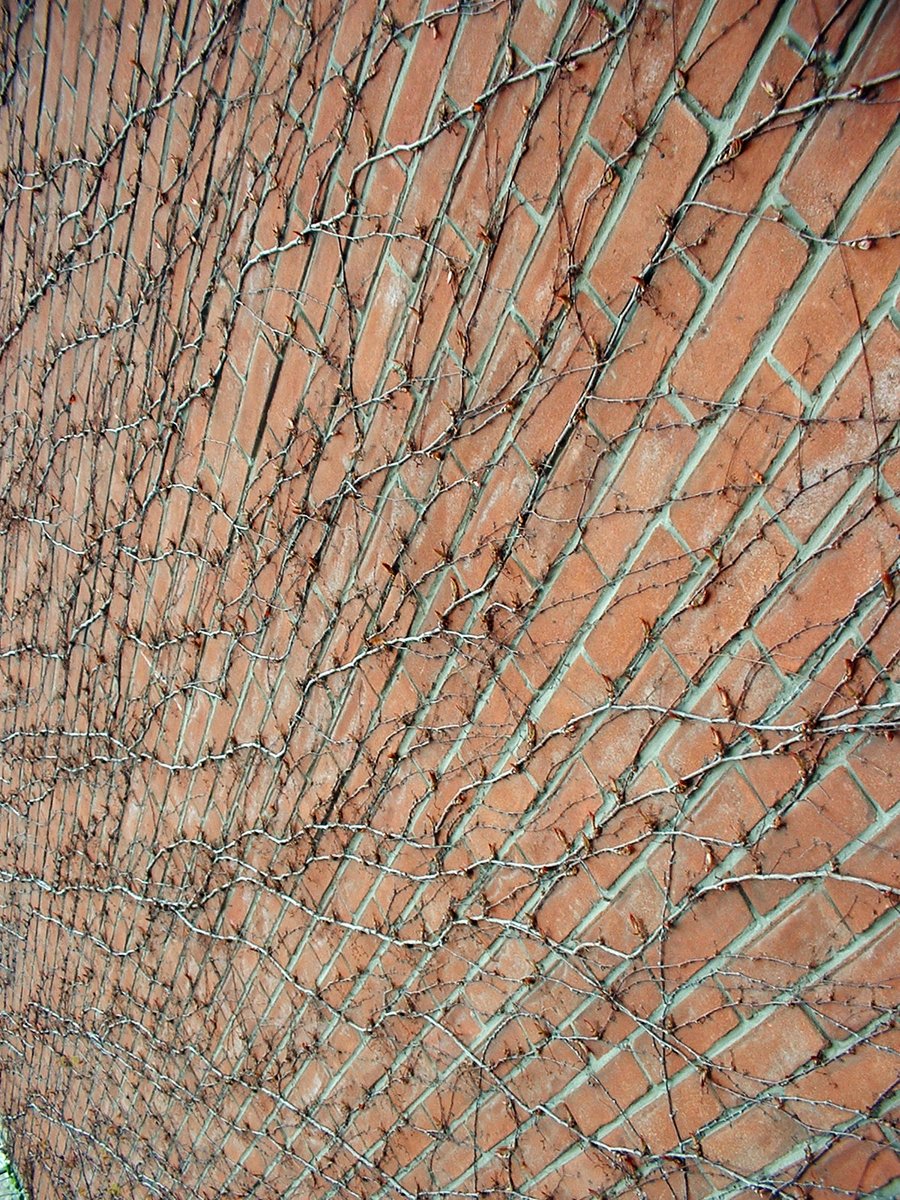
448 485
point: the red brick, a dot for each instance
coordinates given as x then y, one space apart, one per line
703 1017
873 764
639 481
626 926
835 450
820 26
816 828
758 1136
644 591
743 448
705 929
773 1050
571 598
550 137
587 194
832 158
843 293
694 1105
475 49
736 185
621 1079
874 861
309 627
820 591
854 1081
569 903
549 412
727 44
765 269
545 286
652 334
678 149
721 606
804 936
423 70
873 1165
646 65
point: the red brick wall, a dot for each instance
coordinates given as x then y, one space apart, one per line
449 507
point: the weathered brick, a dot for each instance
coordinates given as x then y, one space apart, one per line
742 450
819 589
707 927
829 162
652 334
822 27
729 40
772 259
646 63
758 1136
678 149
553 132
304 532
732 190
843 293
